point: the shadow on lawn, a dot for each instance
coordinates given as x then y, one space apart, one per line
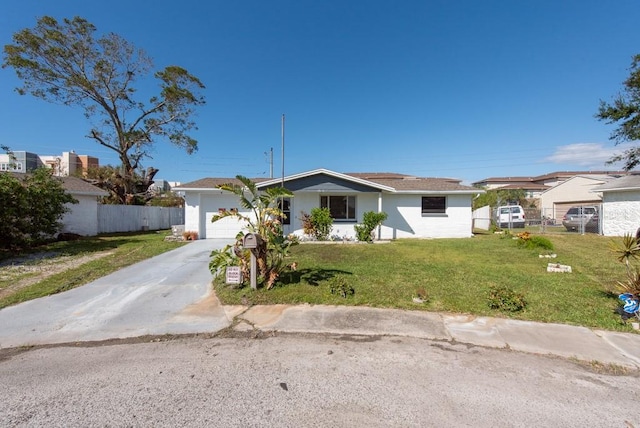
311 276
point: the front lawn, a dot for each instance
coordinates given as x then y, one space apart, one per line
456 275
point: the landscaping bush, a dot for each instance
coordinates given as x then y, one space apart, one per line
365 232
318 224
527 240
505 299
32 208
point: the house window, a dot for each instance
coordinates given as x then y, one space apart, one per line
434 205
340 207
285 206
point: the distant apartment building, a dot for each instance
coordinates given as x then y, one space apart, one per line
66 164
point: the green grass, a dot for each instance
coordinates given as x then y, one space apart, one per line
123 250
457 275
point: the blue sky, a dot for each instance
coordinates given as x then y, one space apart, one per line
442 88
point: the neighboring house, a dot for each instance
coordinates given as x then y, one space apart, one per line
416 207
577 190
620 205
535 186
83 217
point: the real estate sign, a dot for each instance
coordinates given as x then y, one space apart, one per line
233 275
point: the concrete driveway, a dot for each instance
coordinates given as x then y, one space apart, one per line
168 294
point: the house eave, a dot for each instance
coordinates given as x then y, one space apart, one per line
329 173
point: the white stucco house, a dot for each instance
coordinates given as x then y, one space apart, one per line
417 207
620 205
82 218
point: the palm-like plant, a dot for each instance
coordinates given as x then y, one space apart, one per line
628 250
264 220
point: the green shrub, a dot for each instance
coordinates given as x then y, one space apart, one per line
505 299
318 224
370 221
32 208
338 285
527 240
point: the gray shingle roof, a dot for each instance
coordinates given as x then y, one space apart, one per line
399 182
73 185
628 182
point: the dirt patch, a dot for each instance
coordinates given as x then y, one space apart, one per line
19 273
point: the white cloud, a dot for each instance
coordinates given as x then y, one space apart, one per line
585 154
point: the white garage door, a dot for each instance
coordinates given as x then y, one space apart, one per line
227 227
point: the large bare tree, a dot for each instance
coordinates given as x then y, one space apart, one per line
64 62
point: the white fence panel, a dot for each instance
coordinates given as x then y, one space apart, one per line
132 218
482 218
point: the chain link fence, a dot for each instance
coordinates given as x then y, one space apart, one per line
566 218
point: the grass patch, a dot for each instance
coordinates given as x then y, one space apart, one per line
458 276
115 251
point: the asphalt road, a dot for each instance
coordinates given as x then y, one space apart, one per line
308 381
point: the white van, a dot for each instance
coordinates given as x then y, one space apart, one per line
510 216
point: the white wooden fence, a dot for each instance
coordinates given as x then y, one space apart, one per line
132 218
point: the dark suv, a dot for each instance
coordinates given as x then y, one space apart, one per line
582 218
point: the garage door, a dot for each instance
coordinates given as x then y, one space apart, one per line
227 227
561 208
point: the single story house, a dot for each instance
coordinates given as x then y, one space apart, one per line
577 190
620 205
416 207
82 219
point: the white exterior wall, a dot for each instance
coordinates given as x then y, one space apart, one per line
192 213
577 189
307 201
404 212
620 213
83 217
406 220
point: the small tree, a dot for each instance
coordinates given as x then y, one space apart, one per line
264 220
365 232
31 209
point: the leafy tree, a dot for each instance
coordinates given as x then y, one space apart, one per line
63 62
496 197
263 220
32 207
625 111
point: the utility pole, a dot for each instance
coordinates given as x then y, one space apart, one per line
283 150
271 163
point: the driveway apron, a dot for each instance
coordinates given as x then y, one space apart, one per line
167 294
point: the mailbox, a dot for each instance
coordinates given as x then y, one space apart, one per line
251 240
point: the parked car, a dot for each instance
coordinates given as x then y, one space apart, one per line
581 218
510 216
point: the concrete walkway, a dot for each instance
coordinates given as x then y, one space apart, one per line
171 294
